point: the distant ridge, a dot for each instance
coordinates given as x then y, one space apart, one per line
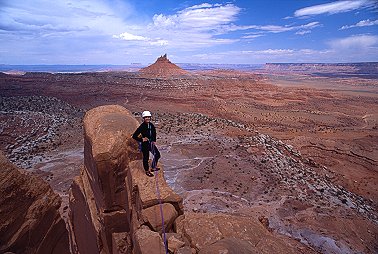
163 68
342 70
69 68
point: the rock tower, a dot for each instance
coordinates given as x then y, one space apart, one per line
113 204
163 67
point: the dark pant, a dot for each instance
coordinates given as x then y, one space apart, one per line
146 148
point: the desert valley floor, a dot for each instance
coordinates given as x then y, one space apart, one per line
298 151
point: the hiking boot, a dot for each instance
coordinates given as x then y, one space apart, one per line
148 173
155 169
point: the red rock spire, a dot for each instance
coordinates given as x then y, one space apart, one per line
163 67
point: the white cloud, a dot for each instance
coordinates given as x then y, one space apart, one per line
268 55
202 17
101 31
275 51
279 29
159 43
290 55
310 25
312 52
191 28
306 29
209 57
41 17
252 36
163 21
334 7
270 28
130 37
232 28
204 5
275 29
303 32
362 42
362 23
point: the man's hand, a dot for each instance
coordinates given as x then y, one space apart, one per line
145 139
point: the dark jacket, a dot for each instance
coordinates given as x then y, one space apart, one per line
146 131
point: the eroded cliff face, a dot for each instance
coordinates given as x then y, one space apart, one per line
114 206
29 218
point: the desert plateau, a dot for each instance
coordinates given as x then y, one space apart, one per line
288 153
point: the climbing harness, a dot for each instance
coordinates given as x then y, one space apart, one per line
153 165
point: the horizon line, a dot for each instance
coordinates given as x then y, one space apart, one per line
1 64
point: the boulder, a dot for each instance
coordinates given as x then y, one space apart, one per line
174 244
147 241
146 188
153 216
200 229
30 221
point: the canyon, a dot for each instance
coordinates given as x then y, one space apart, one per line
290 154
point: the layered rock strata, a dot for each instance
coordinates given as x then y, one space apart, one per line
29 214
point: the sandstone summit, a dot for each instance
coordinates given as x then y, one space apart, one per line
163 67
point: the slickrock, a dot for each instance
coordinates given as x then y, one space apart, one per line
29 218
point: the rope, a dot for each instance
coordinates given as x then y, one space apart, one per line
160 203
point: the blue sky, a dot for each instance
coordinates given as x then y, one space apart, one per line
138 31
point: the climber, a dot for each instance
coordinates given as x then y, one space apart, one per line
146 134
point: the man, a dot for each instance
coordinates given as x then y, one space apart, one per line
146 134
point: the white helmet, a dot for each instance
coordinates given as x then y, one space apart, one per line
146 113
